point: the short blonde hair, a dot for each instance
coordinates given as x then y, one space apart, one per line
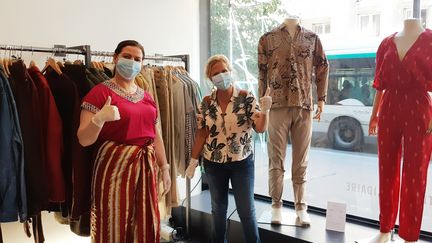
216 59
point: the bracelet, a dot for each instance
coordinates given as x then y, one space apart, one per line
164 167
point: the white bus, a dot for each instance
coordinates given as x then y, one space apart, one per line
350 96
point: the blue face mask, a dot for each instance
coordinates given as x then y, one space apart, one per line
222 81
128 68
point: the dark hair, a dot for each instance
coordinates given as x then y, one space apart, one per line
125 43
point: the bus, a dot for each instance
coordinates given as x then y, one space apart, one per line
350 96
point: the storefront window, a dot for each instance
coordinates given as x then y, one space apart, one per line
343 164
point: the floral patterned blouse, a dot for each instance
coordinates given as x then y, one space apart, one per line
230 137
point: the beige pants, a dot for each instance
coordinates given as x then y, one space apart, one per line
297 123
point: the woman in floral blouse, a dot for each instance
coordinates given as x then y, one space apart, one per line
225 122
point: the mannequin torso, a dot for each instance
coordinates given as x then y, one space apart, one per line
408 36
291 25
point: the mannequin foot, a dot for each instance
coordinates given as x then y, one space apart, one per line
276 215
380 238
303 216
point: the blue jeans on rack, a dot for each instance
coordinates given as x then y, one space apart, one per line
242 178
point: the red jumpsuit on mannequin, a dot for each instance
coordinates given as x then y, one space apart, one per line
403 120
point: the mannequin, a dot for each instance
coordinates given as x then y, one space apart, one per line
410 38
292 24
409 34
287 68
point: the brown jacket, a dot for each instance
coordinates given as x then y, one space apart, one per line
288 66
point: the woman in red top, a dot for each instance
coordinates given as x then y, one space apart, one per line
122 117
403 114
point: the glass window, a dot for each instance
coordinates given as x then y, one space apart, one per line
364 23
343 164
370 24
321 28
408 13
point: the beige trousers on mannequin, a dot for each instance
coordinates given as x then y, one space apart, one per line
297 123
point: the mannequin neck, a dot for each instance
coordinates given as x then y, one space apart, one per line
412 27
292 25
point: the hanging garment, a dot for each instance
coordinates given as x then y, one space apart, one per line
66 96
404 116
192 99
163 95
179 112
12 179
148 75
27 100
52 136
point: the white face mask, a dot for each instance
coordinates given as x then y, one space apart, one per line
222 81
128 68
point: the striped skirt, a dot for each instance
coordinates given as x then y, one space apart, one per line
124 195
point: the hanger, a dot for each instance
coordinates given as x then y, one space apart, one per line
6 66
60 64
53 64
1 62
77 62
32 63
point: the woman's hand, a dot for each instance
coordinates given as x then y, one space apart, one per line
190 171
166 179
429 130
373 125
266 101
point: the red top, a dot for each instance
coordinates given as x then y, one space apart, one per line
406 82
413 72
138 114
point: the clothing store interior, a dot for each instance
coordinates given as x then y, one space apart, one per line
226 121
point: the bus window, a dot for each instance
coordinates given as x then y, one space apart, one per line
351 79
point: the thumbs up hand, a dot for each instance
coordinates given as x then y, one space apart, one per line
266 101
107 113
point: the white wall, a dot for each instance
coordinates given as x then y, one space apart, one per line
166 27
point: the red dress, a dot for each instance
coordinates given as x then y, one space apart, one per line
404 116
124 198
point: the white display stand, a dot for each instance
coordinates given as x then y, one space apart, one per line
288 219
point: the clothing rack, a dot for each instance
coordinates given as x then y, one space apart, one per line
61 51
57 50
156 57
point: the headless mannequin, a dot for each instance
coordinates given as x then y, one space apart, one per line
403 40
291 24
407 37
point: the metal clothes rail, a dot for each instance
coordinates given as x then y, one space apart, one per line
62 51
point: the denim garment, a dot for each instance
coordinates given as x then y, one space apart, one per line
242 178
13 199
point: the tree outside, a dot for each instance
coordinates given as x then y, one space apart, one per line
236 27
